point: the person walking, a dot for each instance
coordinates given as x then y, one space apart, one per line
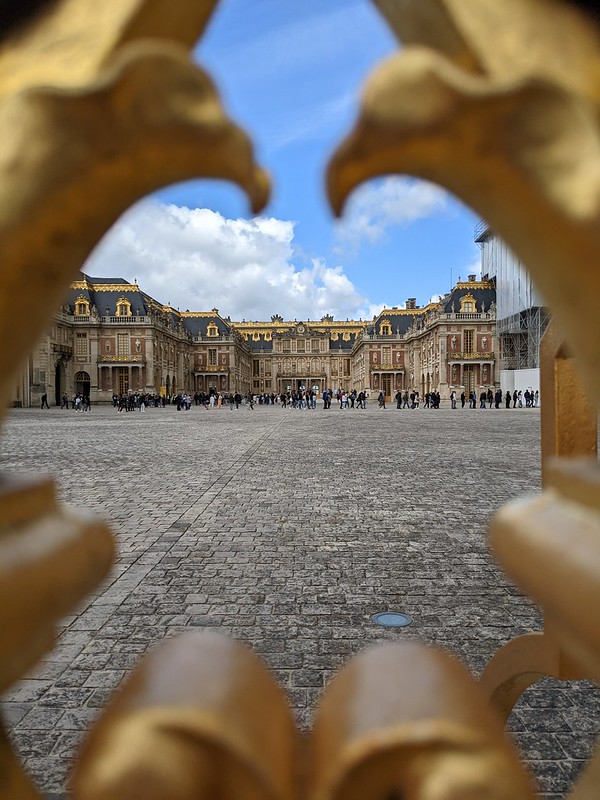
381 399
45 401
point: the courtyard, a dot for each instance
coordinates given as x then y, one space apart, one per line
288 530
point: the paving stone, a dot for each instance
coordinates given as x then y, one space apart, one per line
288 531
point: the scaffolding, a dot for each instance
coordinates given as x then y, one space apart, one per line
521 317
519 338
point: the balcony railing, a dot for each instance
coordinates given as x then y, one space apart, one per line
214 339
131 359
487 356
386 368
64 349
116 320
485 315
390 337
211 368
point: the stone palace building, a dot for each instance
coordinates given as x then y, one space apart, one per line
111 337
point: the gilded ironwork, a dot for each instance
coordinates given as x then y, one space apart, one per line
500 104
485 356
128 78
132 359
509 124
496 101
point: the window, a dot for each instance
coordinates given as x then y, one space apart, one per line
387 355
82 307
323 345
385 329
314 346
122 344
286 346
301 345
346 366
123 307
468 340
468 304
123 379
212 329
255 366
212 356
278 345
81 345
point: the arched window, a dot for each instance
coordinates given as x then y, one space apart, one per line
468 304
212 329
123 307
385 328
82 307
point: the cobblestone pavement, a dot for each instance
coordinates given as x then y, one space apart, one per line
288 530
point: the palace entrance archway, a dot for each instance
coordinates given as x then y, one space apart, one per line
82 384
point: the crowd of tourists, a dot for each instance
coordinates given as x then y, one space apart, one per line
306 399
79 402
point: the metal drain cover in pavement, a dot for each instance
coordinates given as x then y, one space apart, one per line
392 619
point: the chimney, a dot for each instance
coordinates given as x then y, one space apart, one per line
411 302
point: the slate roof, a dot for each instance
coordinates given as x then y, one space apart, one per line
484 293
197 324
400 321
341 344
105 300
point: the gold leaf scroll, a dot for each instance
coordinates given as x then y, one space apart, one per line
50 558
404 720
99 104
200 717
503 109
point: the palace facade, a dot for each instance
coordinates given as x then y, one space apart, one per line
111 337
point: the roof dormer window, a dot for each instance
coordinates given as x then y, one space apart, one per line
467 304
123 307
82 307
385 328
212 330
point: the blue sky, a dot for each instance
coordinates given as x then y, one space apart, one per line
291 73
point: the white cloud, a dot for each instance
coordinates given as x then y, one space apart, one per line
197 259
374 207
